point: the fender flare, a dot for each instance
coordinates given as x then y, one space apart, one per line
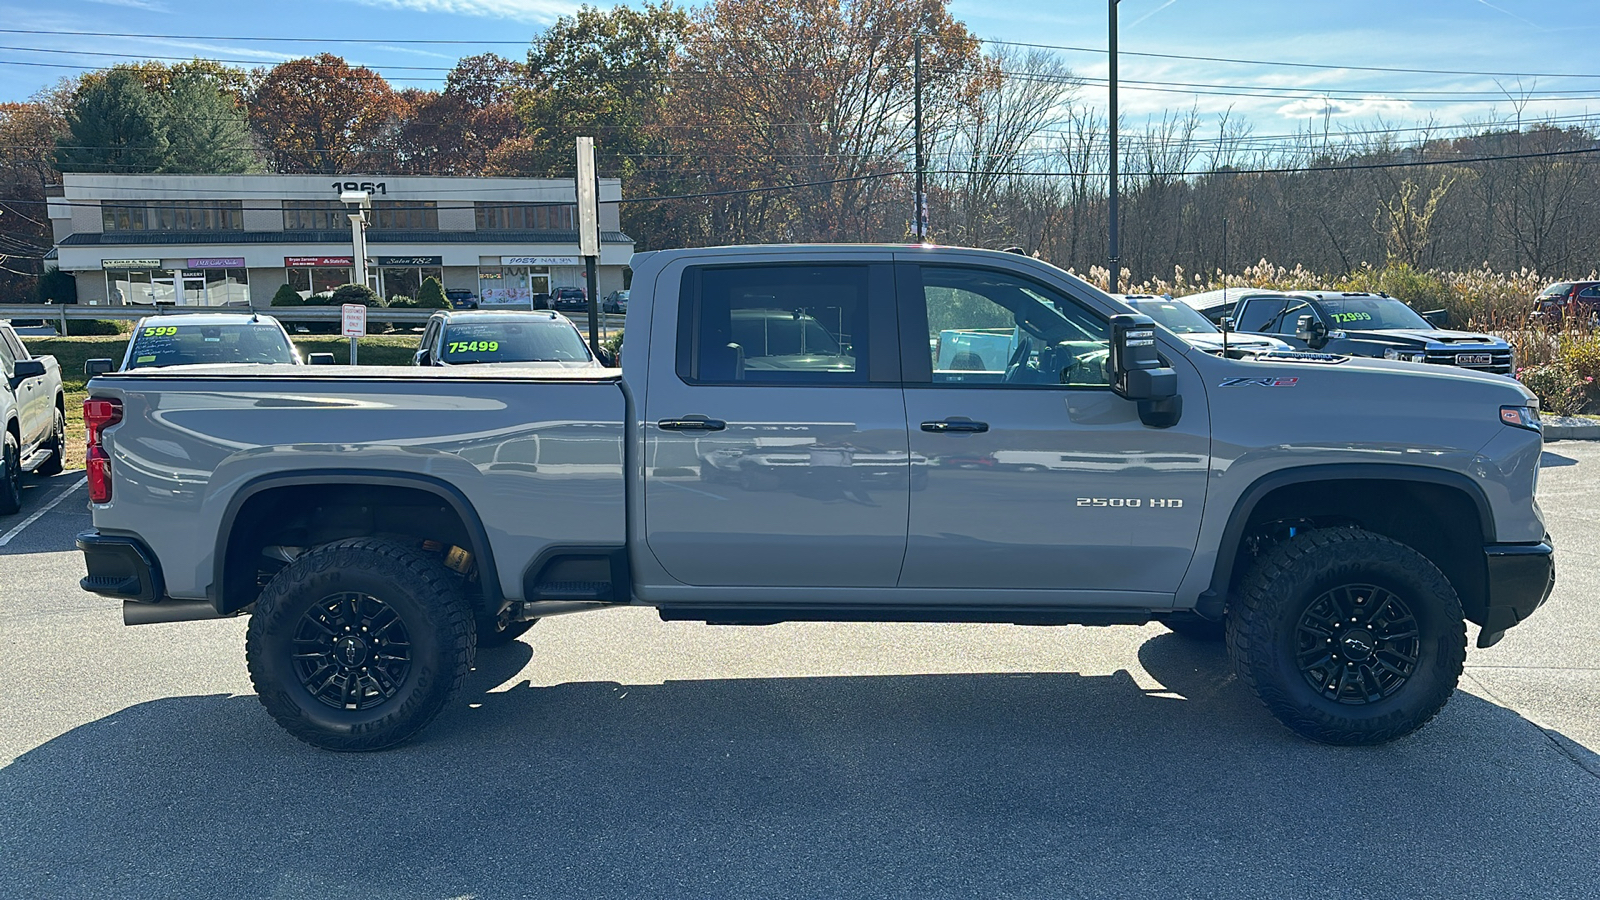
1214 599
488 574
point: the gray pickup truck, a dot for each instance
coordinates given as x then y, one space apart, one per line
33 421
1341 520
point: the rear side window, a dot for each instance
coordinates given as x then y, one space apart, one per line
180 345
774 324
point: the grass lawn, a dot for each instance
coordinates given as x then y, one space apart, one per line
73 352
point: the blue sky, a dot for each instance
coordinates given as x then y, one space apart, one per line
1550 37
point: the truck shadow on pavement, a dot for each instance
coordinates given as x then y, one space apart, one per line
988 785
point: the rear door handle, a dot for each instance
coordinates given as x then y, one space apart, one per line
691 423
956 425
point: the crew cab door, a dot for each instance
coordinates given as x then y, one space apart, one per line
1038 476
775 448
35 402
1278 317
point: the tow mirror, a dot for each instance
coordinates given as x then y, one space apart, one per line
27 368
1438 318
1138 373
320 359
1312 330
424 357
93 367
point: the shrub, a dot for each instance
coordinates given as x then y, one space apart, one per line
287 296
94 327
401 301
355 293
431 296
1561 390
56 286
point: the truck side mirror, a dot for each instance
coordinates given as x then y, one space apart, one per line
1312 330
1438 318
1137 372
93 367
424 357
320 359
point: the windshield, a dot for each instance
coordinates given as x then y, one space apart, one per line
537 340
182 345
1174 315
1556 290
1372 314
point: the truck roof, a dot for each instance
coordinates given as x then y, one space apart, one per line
211 318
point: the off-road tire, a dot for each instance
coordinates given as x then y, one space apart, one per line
424 596
57 445
10 475
1265 620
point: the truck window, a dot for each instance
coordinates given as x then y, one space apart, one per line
774 324
991 328
1260 314
8 360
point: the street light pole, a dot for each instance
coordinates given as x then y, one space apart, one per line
920 209
1116 265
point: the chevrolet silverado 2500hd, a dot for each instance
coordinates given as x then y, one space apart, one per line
787 440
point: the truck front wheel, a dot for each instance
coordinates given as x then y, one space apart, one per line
1347 636
358 644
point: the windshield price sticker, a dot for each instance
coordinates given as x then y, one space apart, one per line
1352 317
161 331
473 347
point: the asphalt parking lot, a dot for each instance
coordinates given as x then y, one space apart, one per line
613 755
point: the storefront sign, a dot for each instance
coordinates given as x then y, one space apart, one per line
220 262
130 263
410 260
540 261
317 262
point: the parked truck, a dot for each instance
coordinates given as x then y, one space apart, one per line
1340 519
33 422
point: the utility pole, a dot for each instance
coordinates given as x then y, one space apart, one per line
920 209
1116 265
588 196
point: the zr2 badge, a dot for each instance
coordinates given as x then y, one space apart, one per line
1260 382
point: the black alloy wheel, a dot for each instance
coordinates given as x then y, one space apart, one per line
1347 636
352 651
1358 643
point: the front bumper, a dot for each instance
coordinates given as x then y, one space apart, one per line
121 567
1521 577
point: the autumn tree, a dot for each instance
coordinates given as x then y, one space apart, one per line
814 91
598 73
322 115
454 131
27 143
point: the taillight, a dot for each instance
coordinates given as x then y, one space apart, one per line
98 415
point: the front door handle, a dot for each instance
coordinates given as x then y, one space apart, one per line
956 425
691 423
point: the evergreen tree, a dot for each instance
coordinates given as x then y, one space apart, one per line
113 125
208 132
431 295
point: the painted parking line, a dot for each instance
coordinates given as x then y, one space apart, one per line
6 538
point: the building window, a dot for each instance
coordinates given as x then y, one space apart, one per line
174 215
314 215
406 281
405 215
517 286
129 286
309 280
526 216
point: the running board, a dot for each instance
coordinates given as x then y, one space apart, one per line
1000 615
136 613
36 459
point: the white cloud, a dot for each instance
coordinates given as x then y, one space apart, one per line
1317 107
520 10
146 5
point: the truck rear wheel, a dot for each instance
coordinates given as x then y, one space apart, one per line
358 644
1347 636
57 445
10 474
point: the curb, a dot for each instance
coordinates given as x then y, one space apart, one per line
1570 428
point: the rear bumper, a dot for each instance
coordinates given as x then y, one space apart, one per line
1521 577
120 567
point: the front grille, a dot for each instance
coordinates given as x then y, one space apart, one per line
1499 358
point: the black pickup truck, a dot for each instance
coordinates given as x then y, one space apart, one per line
1374 325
